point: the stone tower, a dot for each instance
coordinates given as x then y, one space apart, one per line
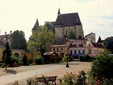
36 25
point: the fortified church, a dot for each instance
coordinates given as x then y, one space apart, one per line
68 30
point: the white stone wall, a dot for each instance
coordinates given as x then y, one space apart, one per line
91 37
61 31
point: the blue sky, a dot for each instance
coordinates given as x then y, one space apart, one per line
96 15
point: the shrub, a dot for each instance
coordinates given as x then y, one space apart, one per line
25 60
39 60
73 79
30 61
102 68
66 58
82 58
87 58
30 81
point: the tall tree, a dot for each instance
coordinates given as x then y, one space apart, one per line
41 40
6 57
18 40
108 42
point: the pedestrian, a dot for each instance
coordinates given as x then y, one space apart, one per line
67 65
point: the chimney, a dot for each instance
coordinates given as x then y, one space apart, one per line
5 33
10 32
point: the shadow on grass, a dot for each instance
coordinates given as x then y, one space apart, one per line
10 71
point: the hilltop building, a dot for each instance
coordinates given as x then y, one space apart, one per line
80 45
68 23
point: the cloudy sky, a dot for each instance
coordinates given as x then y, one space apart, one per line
96 15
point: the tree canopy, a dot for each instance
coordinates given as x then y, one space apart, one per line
71 35
6 56
108 42
41 40
18 40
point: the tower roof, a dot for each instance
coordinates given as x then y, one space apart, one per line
58 11
36 25
70 19
99 40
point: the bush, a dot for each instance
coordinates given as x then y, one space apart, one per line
30 61
73 79
82 58
25 60
102 68
66 58
30 81
14 62
39 60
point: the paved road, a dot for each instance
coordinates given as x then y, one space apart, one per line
24 75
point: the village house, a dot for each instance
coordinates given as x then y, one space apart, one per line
80 46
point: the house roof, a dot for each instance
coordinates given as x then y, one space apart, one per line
70 19
72 45
60 41
89 34
4 38
97 45
75 45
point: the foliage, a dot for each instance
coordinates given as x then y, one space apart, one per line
108 42
25 60
18 40
30 81
102 67
14 60
71 35
50 25
39 60
41 40
6 57
85 58
66 58
74 79
30 61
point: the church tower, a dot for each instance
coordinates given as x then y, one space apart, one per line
59 11
35 26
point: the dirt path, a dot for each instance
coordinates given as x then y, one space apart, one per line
24 72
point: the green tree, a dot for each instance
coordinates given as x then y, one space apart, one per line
71 35
41 40
6 57
18 40
108 42
25 60
102 67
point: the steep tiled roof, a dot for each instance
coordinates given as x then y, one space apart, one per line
98 45
60 41
72 45
75 45
70 19
99 40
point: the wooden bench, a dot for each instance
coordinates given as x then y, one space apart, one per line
47 80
